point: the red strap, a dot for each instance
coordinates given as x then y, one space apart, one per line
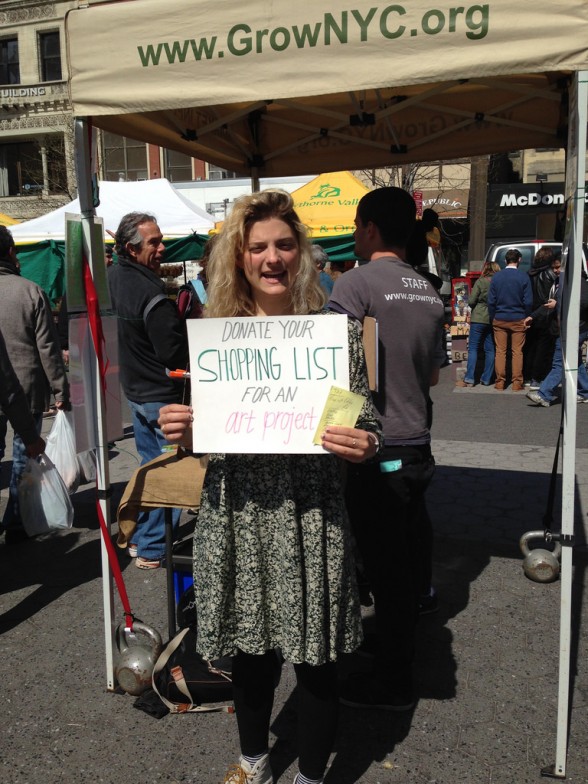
114 565
95 321
97 332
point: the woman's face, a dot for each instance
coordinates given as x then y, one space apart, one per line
270 261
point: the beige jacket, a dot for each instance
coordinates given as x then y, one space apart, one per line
31 339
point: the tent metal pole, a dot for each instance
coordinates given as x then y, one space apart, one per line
575 201
254 179
84 176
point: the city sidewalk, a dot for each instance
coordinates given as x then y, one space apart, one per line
487 664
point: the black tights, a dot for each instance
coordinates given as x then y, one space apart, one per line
253 687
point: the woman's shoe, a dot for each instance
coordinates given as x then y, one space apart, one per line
463 384
132 550
243 773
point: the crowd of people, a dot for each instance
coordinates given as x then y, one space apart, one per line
279 539
512 313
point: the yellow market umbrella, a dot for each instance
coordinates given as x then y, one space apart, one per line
328 203
6 221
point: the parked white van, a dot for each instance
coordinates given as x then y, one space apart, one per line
528 248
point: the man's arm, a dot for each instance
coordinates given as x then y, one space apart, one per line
167 335
491 302
528 297
50 352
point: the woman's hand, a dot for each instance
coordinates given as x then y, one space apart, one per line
175 422
350 443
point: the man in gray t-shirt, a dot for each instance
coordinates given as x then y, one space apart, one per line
385 498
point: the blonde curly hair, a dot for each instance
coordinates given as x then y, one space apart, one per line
229 292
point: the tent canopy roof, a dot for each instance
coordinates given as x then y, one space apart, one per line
176 215
327 204
284 89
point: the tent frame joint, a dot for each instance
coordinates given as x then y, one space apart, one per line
550 773
566 540
362 120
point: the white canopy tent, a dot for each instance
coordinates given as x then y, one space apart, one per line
176 215
283 88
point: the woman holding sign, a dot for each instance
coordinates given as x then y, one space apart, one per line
273 566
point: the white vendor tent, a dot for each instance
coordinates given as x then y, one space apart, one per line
284 88
176 215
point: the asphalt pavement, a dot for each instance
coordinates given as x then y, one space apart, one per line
487 663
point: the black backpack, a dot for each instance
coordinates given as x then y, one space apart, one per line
187 683
183 680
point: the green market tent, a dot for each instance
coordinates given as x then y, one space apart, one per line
43 262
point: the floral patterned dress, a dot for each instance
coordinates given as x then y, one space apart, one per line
273 565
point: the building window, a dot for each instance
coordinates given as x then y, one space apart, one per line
21 167
216 173
9 65
178 166
124 160
50 57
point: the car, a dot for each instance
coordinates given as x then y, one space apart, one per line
528 248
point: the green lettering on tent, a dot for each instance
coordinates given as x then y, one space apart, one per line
275 42
384 29
242 45
204 45
331 25
176 51
305 33
149 54
477 21
364 23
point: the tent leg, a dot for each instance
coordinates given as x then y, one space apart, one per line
169 573
84 175
575 200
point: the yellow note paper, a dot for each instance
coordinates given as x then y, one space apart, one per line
342 408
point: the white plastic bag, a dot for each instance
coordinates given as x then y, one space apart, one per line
43 498
87 466
61 449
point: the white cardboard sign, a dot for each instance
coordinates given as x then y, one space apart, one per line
259 385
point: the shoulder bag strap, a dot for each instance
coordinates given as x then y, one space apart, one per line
178 676
151 304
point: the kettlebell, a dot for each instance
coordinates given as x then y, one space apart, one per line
540 565
135 655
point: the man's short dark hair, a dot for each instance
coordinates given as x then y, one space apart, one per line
513 255
393 212
6 242
128 231
544 257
